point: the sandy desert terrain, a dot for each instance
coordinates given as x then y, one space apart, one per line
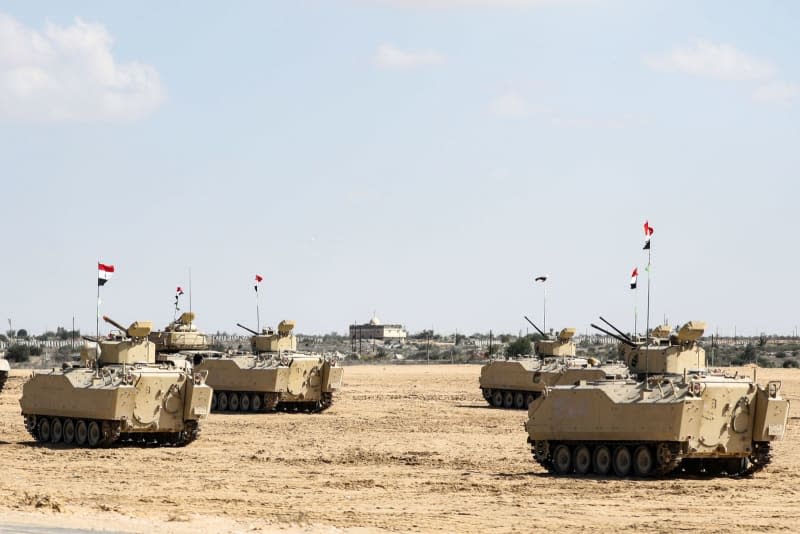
404 448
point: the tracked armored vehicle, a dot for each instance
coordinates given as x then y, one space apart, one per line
5 369
273 377
517 383
179 335
118 393
689 420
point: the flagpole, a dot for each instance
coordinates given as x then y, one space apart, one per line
258 313
649 268
97 322
544 311
647 331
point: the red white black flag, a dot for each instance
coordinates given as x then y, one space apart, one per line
178 293
634 277
104 273
259 278
648 231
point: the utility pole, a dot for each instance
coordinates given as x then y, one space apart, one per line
428 347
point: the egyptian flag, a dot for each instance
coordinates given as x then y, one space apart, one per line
648 231
634 277
259 278
178 293
540 278
104 273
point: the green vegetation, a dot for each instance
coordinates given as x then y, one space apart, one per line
18 353
519 347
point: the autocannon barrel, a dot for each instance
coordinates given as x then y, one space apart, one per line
615 336
112 322
617 330
536 327
240 325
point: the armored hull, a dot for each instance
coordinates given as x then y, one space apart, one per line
517 383
88 407
703 423
268 382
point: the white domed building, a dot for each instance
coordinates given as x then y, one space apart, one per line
375 330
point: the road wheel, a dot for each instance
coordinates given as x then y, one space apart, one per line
255 402
69 431
44 429
508 400
734 466
601 461
529 398
233 402
214 402
562 460
582 460
81 433
497 399
643 461
622 461
56 430
715 467
244 402
222 401
93 434
519 400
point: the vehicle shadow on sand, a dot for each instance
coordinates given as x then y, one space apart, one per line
631 478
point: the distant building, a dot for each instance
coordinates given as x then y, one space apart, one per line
374 330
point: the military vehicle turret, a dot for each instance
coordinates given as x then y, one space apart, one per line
676 419
118 393
274 376
5 369
179 335
516 383
663 353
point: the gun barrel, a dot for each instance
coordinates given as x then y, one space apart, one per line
240 325
91 338
617 330
615 336
536 327
112 322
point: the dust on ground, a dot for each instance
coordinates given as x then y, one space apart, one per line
404 448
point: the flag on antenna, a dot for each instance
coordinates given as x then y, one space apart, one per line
104 273
259 278
541 278
648 231
634 277
179 291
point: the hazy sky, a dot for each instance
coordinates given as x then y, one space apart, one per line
421 159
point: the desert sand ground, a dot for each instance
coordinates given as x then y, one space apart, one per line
404 448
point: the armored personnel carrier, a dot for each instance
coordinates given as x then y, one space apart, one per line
118 393
678 419
517 383
273 377
5 369
179 335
